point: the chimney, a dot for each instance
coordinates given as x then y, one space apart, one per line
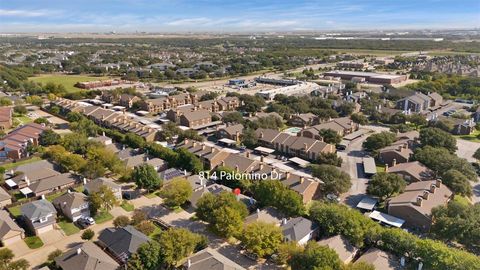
185 172
186 141
103 133
236 168
189 263
79 251
419 201
284 221
261 166
43 197
27 181
302 179
203 146
305 146
438 183
194 144
394 162
223 163
432 188
386 167
247 154
261 135
258 210
261 159
84 180
69 191
425 194
287 175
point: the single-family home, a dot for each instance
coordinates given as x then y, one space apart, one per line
299 229
122 242
73 205
39 216
411 171
10 232
5 198
94 186
268 215
346 251
86 256
380 259
210 259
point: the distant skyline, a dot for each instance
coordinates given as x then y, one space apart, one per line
234 16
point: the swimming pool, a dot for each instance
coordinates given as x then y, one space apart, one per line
293 130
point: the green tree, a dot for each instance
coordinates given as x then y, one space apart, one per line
335 181
385 185
104 198
330 159
249 139
233 117
20 109
314 257
379 140
145 176
223 212
330 136
457 182
41 120
176 192
21 264
121 221
177 244
188 161
88 234
274 193
476 155
6 257
49 137
146 227
286 250
4 101
261 238
147 257
438 138
417 119
359 266
359 119
138 216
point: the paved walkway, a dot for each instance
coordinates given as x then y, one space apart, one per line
55 240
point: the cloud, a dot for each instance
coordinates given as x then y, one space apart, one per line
190 21
23 13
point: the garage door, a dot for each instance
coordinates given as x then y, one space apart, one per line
45 229
11 240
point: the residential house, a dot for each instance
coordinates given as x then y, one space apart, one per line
195 119
39 216
380 259
137 160
174 114
6 118
10 232
400 151
436 100
104 140
121 243
342 126
14 145
232 132
464 127
94 186
50 184
415 204
302 147
210 259
210 156
300 230
416 103
268 215
26 174
216 189
5 198
86 256
303 120
228 103
73 205
127 100
346 251
411 171
307 188
169 174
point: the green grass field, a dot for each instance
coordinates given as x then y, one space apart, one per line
127 206
68 227
12 165
102 217
474 137
33 242
66 80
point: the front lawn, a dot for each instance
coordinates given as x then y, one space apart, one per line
15 210
102 217
474 137
380 168
33 242
152 195
127 206
53 196
158 230
68 227
12 165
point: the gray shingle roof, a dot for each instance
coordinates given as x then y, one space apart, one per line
122 241
38 209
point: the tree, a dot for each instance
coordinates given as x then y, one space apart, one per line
330 136
417 119
21 264
274 193
286 250
379 140
261 238
188 161
438 138
176 192
330 159
249 139
4 101
359 266
104 198
6 256
335 181
54 254
458 222
20 109
457 182
138 216
146 227
148 257
359 119
49 137
314 257
233 117
88 234
145 176
41 120
384 185
177 244
121 221
476 155
223 212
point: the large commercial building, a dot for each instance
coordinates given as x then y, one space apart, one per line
370 77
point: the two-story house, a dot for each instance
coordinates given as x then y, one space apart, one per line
94 186
73 205
39 216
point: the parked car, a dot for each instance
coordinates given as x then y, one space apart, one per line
85 222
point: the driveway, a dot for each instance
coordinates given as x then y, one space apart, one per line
466 149
52 236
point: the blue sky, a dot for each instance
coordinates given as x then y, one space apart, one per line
233 15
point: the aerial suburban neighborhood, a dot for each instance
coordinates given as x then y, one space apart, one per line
257 148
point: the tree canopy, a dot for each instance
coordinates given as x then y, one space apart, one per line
335 181
384 185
